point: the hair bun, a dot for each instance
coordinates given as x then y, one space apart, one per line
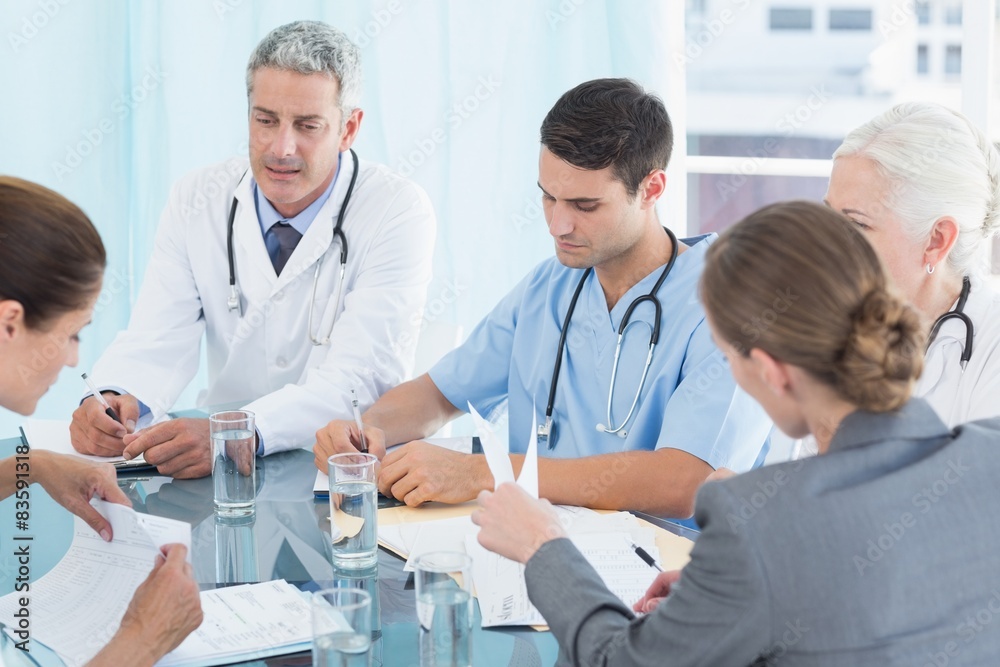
883 354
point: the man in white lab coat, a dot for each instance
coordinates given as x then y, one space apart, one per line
293 331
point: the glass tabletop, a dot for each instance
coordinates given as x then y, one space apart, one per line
287 538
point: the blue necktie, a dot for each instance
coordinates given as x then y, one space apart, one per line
288 238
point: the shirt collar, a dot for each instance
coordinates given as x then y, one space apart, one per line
268 216
916 420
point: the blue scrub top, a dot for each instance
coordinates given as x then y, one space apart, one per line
689 402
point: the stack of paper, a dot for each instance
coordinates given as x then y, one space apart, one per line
604 539
53 435
246 623
77 607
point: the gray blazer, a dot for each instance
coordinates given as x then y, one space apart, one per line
884 551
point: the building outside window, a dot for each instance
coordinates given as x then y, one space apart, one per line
953 59
923 66
850 19
783 18
923 11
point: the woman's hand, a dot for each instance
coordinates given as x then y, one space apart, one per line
72 482
514 524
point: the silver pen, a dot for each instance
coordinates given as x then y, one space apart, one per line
357 420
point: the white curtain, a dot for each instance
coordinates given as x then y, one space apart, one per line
110 102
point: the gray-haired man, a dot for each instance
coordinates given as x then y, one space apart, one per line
304 269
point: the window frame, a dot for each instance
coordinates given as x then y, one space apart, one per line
976 79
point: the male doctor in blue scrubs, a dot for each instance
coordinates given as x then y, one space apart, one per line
605 145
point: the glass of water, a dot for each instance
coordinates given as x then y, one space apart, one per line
353 505
444 608
342 622
234 462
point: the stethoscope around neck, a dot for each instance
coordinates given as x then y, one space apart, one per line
545 430
958 313
233 302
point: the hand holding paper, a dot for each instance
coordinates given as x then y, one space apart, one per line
498 456
514 522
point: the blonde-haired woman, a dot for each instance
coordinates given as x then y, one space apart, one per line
876 552
923 185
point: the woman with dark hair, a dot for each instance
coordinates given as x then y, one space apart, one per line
878 551
51 266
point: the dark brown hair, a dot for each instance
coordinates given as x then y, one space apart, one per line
799 281
51 256
610 122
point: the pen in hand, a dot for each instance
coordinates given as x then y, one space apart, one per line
644 555
107 408
357 420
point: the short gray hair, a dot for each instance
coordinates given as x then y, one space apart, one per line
938 163
312 47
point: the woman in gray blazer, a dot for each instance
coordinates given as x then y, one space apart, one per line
881 551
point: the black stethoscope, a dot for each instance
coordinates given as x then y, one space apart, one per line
338 233
958 314
545 433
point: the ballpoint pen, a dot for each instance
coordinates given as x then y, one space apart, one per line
644 555
107 408
357 420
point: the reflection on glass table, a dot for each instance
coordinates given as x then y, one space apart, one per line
288 538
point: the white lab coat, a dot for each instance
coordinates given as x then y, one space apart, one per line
265 357
962 396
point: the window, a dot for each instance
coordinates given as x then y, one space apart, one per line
923 13
953 59
791 19
850 19
953 14
922 59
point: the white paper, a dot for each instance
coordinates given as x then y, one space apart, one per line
77 607
400 538
246 619
53 435
503 593
528 479
144 530
497 453
440 535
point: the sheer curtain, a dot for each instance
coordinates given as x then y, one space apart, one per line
109 103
